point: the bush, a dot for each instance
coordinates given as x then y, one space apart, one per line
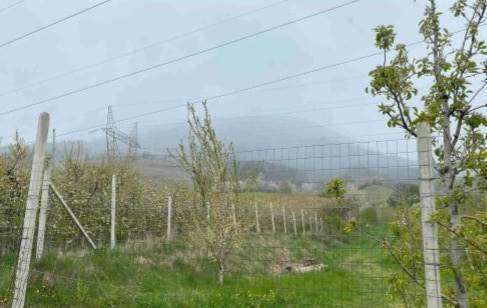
368 216
404 194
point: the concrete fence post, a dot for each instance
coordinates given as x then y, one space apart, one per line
30 216
431 252
43 211
303 223
113 212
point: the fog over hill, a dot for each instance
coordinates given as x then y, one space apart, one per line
281 148
293 149
247 133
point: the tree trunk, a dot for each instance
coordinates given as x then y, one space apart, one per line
448 173
221 273
456 250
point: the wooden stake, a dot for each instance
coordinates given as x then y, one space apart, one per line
303 224
30 216
295 225
316 223
310 224
169 217
234 218
272 220
284 220
257 224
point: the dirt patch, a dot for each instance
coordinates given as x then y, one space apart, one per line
143 261
303 266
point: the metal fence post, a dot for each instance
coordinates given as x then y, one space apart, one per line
25 252
431 253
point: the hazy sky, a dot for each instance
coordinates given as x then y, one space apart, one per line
124 25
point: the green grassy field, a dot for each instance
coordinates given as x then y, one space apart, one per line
169 277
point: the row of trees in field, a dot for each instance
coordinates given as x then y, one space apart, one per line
214 214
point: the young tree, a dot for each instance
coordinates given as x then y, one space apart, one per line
404 194
14 179
457 71
335 188
213 169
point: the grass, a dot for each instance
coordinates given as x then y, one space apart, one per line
170 277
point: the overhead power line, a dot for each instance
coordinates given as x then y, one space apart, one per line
303 110
242 90
179 99
234 92
12 5
296 111
141 49
253 87
323 124
53 23
187 56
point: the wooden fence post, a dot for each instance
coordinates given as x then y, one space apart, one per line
295 226
303 224
284 219
234 217
113 212
316 223
25 252
272 220
169 217
257 224
431 252
310 224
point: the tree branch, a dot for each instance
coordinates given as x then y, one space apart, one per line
475 219
471 243
406 270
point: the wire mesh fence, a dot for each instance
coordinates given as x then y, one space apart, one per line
302 239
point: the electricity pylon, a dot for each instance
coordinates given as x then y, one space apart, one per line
114 135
